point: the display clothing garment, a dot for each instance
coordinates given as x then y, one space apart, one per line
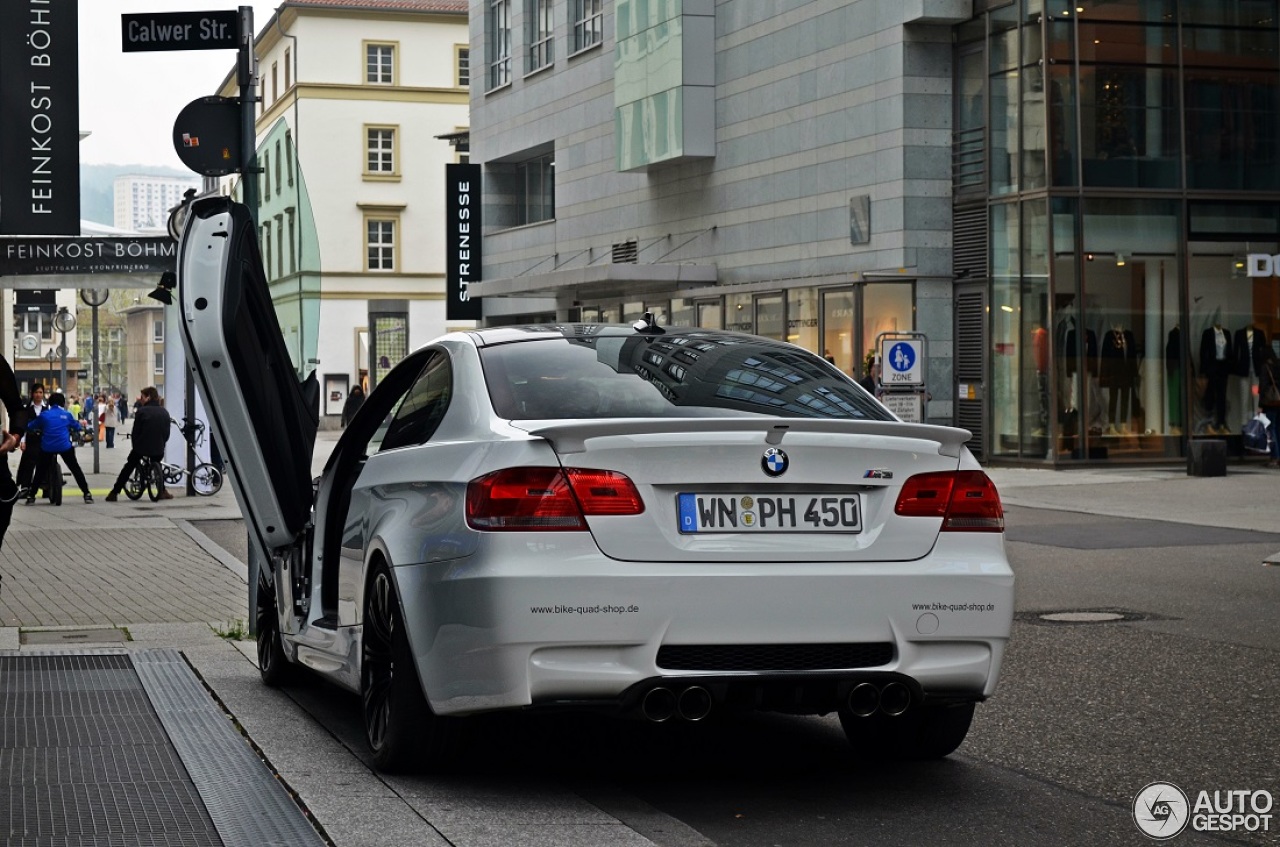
1040 348
1217 354
1118 363
1268 377
1249 350
1071 351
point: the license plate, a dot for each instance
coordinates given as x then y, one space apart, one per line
702 513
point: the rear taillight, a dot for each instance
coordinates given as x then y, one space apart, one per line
548 498
966 501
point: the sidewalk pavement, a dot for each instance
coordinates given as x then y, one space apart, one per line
135 577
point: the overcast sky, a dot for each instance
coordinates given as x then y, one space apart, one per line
129 101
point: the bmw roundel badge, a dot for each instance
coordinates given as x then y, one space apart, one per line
774 462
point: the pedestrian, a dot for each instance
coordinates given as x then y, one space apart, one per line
355 399
9 438
30 447
107 414
74 408
1269 401
121 407
54 428
151 427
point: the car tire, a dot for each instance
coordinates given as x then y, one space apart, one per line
925 732
273 665
402 732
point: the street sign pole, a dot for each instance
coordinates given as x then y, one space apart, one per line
245 72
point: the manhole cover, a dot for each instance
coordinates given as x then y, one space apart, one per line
63 637
1082 617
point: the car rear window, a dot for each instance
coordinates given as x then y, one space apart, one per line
699 373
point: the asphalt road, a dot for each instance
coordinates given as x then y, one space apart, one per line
1183 689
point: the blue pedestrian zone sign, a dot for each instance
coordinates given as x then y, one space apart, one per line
900 360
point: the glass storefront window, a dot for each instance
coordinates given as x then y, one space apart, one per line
1063 147
1233 128
886 307
802 319
1129 126
632 311
1131 282
710 316
1005 305
771 317
738 313
1004 133
1034 332
1069 343
837 331
683 313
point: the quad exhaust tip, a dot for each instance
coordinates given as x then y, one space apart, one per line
661 704
866 699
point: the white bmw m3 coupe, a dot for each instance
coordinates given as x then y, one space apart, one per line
667 523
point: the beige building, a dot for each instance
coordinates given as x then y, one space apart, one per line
144 359
352 193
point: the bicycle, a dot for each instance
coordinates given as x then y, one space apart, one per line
147 478
206 479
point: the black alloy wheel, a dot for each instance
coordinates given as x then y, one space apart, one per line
272 664
401 730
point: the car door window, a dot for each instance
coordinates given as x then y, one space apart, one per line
420 412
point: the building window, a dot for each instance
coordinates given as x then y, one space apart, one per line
380 244
379 64
265 187
157 332
288 153
279 246
588 23
159 365
266 247
541 33
463 67
278 157
288 71
293 252
275 82
499 43
380 151
528 187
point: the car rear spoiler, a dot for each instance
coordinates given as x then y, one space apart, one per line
572 436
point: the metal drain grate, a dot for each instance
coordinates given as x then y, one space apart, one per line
248 805
84 758
109 748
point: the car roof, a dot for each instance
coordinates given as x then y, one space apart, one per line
534 332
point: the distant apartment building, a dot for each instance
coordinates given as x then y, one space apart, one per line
142 202
354 99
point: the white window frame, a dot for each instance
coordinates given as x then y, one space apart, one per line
381 151
462 65
380 62
157 332
158 363
383 245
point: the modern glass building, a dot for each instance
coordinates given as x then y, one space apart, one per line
1062 196
1119 159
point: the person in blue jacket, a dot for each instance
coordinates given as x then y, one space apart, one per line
54 429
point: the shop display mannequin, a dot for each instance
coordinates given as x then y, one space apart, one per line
1216 357
1250 348
1118 373
1040 353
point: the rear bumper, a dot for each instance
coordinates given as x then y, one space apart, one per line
521 625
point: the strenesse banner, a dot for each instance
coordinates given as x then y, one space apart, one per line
462 241
39 108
